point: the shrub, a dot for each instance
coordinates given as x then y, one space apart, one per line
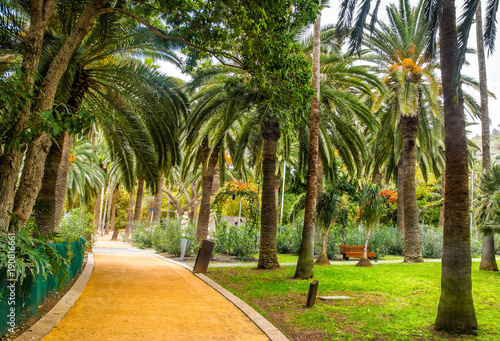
240 241
32 256
74 225
289 237
431 239
163 237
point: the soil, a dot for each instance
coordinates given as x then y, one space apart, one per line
51 300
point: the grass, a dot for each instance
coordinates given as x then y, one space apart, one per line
389 301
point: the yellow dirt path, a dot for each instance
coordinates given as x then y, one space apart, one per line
138 296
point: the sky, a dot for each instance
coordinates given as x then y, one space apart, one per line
329 16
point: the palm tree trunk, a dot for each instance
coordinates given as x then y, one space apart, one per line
130 215
401 199
113 208
413 248
11 159
149 207
216 182
268 254
319 177
488 261
456 311
208 178
108 206
365 248
62 179
305 263
97 210
138 201
31 178
323 258
157 200
46 219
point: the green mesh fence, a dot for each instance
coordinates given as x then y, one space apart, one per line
33 292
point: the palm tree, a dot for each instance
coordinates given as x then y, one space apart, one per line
305 263
488 215
488 261
371 208
326 210
399 51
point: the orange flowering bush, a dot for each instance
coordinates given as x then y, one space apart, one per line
236 188
390 196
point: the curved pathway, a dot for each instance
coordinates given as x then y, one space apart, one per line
135 295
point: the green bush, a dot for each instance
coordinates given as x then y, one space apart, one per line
240 241
163 237
32 256
431 239
289 237
75 225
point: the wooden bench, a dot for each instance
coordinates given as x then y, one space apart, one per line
355 251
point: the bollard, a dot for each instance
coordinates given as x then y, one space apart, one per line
311 296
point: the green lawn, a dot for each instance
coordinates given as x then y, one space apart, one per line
389 301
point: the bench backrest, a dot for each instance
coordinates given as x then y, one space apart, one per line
353 248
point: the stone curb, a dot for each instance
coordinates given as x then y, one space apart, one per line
267 327
46 323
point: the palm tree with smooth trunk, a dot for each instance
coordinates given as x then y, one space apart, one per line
371 208
488 260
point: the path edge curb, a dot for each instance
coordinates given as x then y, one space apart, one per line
43 326
273 333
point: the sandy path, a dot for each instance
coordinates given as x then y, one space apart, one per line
137 296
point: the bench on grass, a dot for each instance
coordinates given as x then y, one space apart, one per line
355 251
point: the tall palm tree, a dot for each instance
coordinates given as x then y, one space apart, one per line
488 261
456 311
399 52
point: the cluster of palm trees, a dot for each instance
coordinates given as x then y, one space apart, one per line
126 124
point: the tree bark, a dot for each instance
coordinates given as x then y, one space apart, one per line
11 159
323 258
305 263
108 210
456 311
45 219
149 207
157 200
413 248
401 199
488 261
62 179
113 209
138 201
216 182
39 146
319 177
97 210
268 253
209 161
130 214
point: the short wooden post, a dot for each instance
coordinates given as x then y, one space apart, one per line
204 254
311 296
115 235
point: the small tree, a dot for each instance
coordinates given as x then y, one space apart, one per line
326 209
488 215
371 209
